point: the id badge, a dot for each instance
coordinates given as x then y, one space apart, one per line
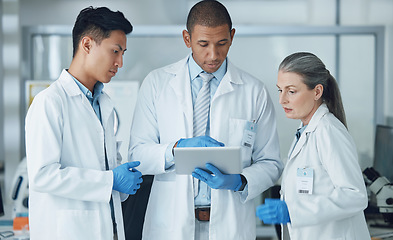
249 134
304 180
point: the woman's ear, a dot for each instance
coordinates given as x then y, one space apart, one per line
318 92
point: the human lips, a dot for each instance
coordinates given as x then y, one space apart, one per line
113 72
287 110
213 65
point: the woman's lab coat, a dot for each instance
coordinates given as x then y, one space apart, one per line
164 114
334 210
69 187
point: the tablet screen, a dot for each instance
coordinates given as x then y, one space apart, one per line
226 159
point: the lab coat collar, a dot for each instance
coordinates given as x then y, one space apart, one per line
72 89
233 74
312 125
321 111
68 83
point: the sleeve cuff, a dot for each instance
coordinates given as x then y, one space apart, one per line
169 161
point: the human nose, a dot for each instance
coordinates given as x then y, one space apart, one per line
213 52
281 98
119 61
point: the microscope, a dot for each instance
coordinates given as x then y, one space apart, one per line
383 190
20 191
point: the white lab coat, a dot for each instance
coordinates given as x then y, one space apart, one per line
164 114
335 208
69 187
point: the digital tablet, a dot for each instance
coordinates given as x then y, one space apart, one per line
227 159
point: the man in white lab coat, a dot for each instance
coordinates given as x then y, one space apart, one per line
75 177
204 206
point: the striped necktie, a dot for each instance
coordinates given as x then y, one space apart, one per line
202 105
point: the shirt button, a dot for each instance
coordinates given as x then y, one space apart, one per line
204 195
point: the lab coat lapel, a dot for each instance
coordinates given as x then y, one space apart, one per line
182 88
232 76
321 111
106 108
299 144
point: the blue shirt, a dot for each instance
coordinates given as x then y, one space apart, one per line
204 191
92 97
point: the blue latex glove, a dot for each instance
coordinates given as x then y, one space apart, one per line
126 178
218 180
202 141
274 211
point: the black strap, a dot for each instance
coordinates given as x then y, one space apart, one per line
111 201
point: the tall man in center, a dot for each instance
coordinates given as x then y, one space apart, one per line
170 113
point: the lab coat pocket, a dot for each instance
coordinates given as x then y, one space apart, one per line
237 128
78 224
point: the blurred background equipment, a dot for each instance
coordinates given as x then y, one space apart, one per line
20 191
383 190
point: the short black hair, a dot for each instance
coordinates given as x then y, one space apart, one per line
98 23
208 13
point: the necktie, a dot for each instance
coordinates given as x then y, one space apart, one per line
202 105
298 134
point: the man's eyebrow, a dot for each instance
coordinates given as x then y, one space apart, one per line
222 40
121 49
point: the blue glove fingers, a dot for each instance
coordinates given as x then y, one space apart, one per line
137 175
135 172
137 186
223 181
267 213
266 210
272 201
139 180
197 176
132 192
284 213
213 142
281 210
276 211
126 178
213 169
267 218
201 175
132 164
202 141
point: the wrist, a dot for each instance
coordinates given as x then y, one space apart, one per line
243 183
173 154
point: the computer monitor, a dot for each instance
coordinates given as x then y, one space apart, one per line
383 151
